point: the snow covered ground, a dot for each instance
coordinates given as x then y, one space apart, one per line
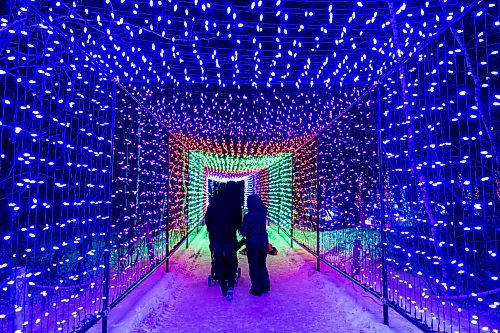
301 299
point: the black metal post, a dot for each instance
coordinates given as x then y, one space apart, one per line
383 237
318 217
278 221
167 253
186 211
107 241
169 199
292 220
318 255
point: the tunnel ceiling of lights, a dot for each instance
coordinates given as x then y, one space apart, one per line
248 69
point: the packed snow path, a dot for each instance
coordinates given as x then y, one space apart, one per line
301 299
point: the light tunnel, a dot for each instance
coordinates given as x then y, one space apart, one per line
369 129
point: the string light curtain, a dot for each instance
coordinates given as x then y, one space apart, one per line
178 222
347 191
441 178
232 146
262 186
305 182
55 179
439 183
139 237
279 191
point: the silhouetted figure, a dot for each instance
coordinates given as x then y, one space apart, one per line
223 219
254 229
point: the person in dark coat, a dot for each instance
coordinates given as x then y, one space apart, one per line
254 229
223 219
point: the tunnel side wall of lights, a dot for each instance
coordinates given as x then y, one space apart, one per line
55 179
305 208
439 184
138 235
279 193
348 195
262 186
441 177
178 191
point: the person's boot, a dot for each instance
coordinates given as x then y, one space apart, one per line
229 294
255 292
223 287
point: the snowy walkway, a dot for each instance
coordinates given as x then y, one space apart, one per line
301 299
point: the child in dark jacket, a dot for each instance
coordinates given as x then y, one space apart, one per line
254 229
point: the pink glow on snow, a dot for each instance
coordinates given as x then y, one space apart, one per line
301 299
